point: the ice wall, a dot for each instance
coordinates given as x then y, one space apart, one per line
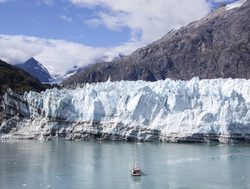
174 108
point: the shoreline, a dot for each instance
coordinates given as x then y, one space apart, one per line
194 139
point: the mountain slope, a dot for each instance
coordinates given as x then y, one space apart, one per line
217 46
36 69
57 79
17 79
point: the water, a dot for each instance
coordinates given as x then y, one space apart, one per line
87 165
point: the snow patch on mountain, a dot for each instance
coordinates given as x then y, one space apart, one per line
57 79
236 4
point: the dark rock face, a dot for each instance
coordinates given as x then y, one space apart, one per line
217 46
37 70
17 79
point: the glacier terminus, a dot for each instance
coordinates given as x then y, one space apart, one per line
166 110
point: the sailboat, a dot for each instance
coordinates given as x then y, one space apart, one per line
135 171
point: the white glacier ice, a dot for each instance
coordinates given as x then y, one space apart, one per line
166 110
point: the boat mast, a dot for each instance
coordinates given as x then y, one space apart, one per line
135 170
135 155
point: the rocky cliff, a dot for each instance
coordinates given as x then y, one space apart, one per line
17 79
217 46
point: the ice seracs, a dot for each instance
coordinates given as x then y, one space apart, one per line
195 110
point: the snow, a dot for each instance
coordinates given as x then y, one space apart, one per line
236 4
219 106
57 79
43 69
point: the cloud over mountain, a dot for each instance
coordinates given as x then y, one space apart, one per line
146 20
56 55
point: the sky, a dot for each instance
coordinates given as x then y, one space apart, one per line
64 33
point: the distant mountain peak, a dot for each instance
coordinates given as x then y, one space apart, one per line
31 59
17 79
36 69
70 72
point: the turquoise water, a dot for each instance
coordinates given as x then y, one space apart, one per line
86 165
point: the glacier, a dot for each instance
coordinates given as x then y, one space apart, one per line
171 111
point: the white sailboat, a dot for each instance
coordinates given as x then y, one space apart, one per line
135 171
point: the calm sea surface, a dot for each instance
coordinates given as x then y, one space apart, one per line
86 165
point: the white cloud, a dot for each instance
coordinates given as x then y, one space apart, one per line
148 20
151 18
94 22
66 18
48 2
56 55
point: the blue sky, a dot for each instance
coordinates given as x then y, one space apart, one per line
58 20
80 32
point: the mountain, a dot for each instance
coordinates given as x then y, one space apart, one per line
216 46
57 79
72 71
17 79
36 69
173 111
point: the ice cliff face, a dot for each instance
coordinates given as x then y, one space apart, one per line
167 110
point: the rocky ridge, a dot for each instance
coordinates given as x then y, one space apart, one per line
217 46
17 79
36 69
